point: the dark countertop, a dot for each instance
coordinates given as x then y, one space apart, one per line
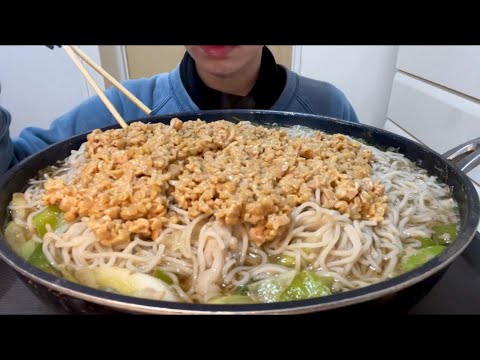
457 292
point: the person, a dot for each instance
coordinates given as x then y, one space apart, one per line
208 77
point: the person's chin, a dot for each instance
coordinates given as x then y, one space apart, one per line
219 68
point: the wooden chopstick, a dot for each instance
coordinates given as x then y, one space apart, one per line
110 78
94 85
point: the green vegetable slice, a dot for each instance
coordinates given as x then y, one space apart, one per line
51 215
444 234
305 285
422 256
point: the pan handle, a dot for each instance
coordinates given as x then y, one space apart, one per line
465 156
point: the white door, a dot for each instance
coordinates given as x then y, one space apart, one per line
435 97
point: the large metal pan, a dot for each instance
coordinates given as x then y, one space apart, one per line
398 293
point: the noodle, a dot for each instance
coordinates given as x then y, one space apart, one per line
205 258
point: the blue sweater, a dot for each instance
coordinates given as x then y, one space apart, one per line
163 93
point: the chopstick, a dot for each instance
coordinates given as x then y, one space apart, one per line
94 85
110 78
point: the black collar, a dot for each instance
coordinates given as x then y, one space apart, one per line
268 87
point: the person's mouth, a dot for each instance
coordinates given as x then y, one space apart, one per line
217 51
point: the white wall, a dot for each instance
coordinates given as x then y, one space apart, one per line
363 73
39 84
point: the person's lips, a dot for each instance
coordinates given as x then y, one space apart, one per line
217 51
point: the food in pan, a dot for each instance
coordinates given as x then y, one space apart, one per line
228 213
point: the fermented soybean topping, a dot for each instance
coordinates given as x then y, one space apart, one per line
241 174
